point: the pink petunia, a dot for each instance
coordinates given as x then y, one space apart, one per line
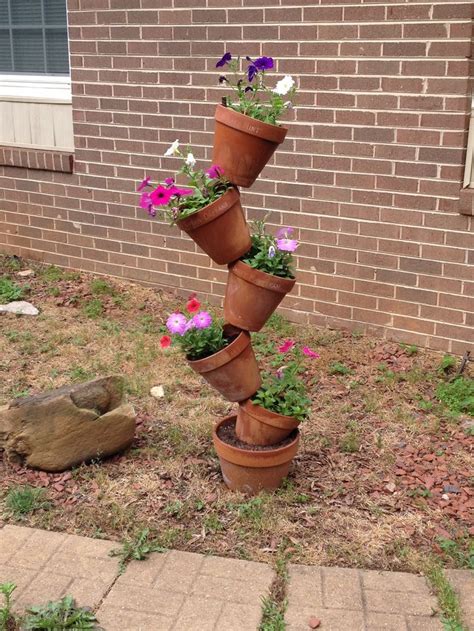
143 184
286 346
169 181
180 192
287 245
309 353
214 172
176 323
284 233
202 320
161 196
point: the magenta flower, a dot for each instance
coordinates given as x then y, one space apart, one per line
286 346
169 181
309 353
161 196
214 171
224 60
189 325
143 184
176 323
202 320
284 233
180 192
287 245
145 201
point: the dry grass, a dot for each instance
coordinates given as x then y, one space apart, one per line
333 509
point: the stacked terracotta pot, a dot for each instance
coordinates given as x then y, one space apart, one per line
256 446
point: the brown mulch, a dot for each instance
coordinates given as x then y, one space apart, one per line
377 481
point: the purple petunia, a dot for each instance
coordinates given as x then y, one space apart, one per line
176 323
271 252
287 245
224 60
143 184
202 320
263 63
251 72
284 233
147 204
214 172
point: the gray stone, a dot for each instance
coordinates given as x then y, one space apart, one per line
19 307
59 429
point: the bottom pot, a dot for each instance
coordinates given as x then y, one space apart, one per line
251 469
259 426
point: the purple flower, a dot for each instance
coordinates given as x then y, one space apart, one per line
284 233
251 72
271 252
263 63
202 320
224 60
280 373
143 184
176 323
287 245
147 204
189 325
214 172
223 79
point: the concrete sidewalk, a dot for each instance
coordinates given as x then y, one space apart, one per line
193 592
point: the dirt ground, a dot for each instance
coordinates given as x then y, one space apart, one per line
384 473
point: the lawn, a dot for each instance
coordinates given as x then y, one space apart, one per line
382 479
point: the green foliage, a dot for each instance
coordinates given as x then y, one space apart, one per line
100 287
9 291
350 442
285 395
410 349
136 549
337 368
6 616
93 308
198 343
451 615
457 395
246 95
21 500
447 363
273 615
58 616
265 256
252 510
461 551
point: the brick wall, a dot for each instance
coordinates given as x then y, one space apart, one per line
370 173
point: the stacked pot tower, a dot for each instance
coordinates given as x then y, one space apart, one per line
255 446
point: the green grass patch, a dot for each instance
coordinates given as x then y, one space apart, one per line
337 368
22 500
450 609
93 308
9 291
136 549
457 395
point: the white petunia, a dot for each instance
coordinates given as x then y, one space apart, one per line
284 85
190 160
173 149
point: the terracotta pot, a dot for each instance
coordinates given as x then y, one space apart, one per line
252 471
220 229
243 145
258 426
232 371
252 296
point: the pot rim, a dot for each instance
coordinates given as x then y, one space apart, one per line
261 279
262 415
224 356
248 125
257 459
211 211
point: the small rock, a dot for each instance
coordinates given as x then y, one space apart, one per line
313 622
445 496
26 272
451 488
20 307
391 487
158 392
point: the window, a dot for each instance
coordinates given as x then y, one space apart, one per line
33 37
469 172
35 88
